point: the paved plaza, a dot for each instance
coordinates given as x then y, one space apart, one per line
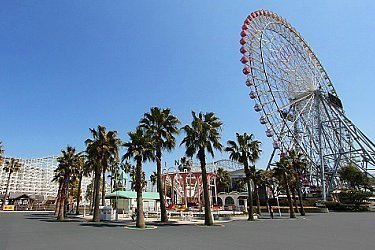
314 231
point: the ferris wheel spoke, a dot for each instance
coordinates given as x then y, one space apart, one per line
309 103
292 124
291 52
286 72
294 102
276 77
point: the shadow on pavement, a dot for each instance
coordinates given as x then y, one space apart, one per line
50 217
102 224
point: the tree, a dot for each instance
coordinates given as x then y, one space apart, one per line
356 185
80 171
246 151
100 150
223 180
203 135
65 174
354 178
161 126
354 196
184 164
153 178
240 185
115 176
266 181
141 149
11 166
89 192
298 164
132 171
282 172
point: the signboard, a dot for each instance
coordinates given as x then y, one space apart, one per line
8 208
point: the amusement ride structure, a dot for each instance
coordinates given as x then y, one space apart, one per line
297 102
34 177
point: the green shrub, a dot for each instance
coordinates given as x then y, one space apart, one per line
332 205
353 196
310 202
337 206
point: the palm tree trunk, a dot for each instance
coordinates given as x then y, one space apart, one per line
287 189
295 200
302 209
249 194
61 212
268 202
103 186
92 200
96 217
70 194
208 220
257 199
249 200
79 192
140 222
58 199
163 210
7 189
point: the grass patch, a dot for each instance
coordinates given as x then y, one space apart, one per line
214 225
147 227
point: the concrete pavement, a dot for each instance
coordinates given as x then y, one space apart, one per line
315 231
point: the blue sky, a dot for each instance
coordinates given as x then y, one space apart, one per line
66 66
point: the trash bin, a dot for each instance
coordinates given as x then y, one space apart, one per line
105 213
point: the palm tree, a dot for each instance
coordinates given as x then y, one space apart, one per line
90 166
65 174
240 185
81 171
114 167
203 135
132 171
299 164
161 126
223 180
283 173
140 149
100 150
184 164
246 150
266 181
11 166
153 178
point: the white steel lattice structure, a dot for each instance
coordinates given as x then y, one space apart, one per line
297 101
34 177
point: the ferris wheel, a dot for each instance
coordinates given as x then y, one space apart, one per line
297 102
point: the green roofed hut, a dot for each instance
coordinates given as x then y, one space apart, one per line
127 201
